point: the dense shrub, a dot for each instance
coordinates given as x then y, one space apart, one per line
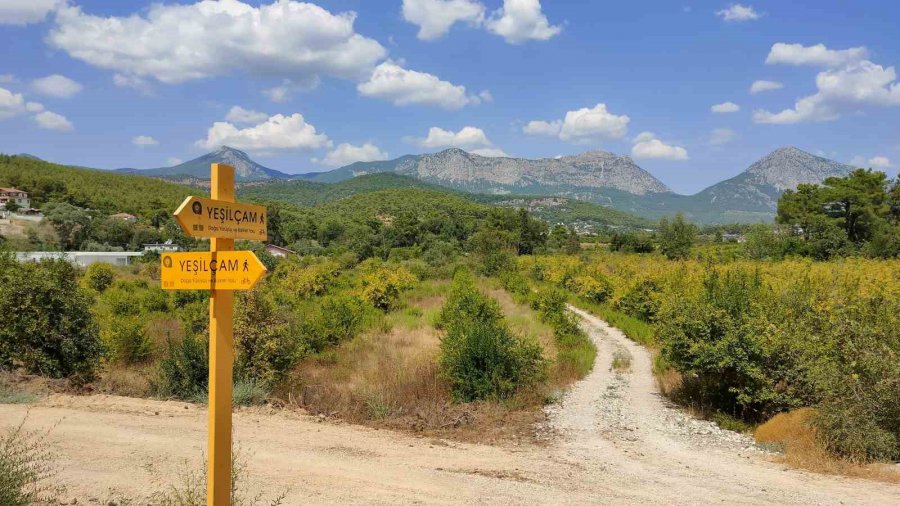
184 369
480 357
382 286
595 288
264 347
99 276
631 242
47 325
335 319
718 339
125 339
641 300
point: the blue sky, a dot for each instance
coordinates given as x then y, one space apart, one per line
143 84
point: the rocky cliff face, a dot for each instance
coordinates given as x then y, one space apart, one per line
457 168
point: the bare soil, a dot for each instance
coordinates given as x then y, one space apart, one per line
611 440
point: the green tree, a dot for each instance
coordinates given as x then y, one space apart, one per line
70 222
48 327
676 237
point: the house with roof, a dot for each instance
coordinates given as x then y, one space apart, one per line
16 196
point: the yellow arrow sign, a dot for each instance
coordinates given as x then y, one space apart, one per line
206 270
200 217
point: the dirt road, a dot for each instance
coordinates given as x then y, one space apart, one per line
615 442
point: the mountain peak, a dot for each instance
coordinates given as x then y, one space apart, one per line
786 167
455 151
229 149
245 169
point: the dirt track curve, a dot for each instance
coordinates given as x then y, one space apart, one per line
615 441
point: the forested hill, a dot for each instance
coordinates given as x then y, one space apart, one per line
99 190
309 193
586 215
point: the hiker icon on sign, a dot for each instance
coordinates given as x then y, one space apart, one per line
246 266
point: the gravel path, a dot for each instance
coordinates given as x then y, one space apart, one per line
614 440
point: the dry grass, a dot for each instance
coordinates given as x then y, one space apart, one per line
390 379
131 381
792 433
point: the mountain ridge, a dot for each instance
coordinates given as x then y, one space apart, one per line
598 177
245 168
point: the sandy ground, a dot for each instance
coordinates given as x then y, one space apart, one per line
613 440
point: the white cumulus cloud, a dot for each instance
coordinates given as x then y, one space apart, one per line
738 13
345 154
23 12
52 121
174 160
582 125
647 146
586 124
56 85
240 116
849 82
817 55
144 140
521 20
404 87
725 107
7 78
173 43
435 17
14 104
11 104
763 86
858 84
279 132
467 138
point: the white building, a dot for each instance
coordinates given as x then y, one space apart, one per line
82 258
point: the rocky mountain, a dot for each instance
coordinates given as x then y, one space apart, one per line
756 190
597 177
245 169
461 170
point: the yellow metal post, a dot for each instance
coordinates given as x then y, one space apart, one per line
221 358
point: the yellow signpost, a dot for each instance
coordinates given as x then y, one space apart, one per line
220 270
200 217
205 270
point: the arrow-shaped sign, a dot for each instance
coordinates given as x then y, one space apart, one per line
206 270
200 217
